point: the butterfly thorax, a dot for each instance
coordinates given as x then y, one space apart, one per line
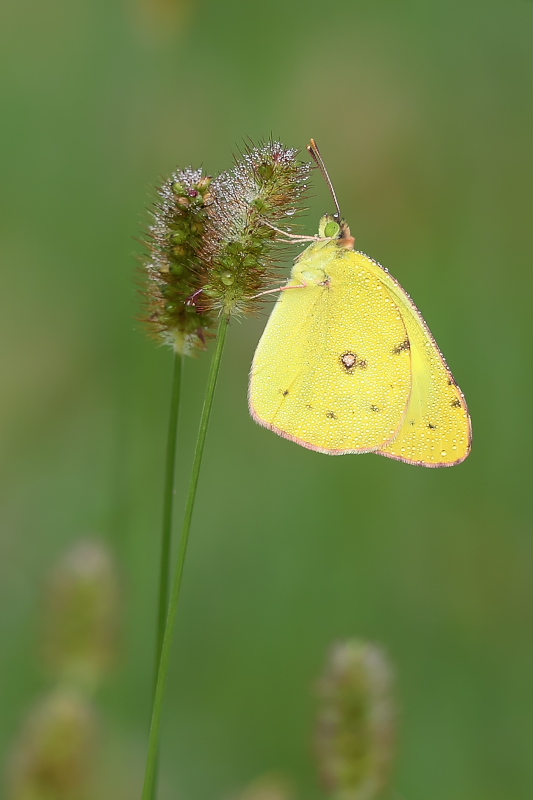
311 267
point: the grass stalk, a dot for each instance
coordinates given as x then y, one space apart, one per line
168 506
169 492
150 777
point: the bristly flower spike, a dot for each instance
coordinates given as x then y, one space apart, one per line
264 187
80 626
176 273
53 755
356 722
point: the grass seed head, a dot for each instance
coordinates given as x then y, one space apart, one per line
356 720
212 244
265 186
52 758
175 267
81 612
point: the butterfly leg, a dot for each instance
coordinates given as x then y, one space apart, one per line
192 299
294 238
279 289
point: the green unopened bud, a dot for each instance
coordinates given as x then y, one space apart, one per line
265 171
226 276
260 204
355 731
81 615
52 758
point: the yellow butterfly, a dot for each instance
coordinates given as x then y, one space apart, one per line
347 364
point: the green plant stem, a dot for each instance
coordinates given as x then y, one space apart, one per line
155 726
166 525
168 505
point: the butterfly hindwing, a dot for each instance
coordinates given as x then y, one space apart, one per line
436 429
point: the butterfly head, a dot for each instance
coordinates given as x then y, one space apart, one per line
331 226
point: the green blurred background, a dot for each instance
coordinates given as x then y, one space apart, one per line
423 112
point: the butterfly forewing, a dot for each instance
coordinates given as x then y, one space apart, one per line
333 368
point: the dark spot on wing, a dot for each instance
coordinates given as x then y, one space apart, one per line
285 392
331 415
402 347
350 361
308 406
411 422
456 403
432 427
374 408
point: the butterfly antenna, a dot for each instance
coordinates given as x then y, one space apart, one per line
314 152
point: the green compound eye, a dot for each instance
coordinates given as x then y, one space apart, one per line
331 230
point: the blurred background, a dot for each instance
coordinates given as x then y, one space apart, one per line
423 113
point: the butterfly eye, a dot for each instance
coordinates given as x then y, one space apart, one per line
331 230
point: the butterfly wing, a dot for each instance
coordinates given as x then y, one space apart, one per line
330 372
436 431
